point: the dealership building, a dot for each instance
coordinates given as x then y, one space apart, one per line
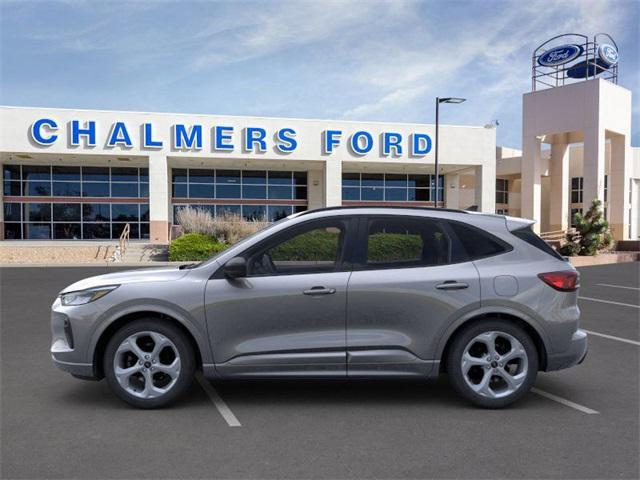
86 174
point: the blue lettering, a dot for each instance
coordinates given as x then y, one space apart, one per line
37 134
421 144
186 139
356 145
330 140
392 140
147 138
286 141
253 136
89 131
119 136
222 136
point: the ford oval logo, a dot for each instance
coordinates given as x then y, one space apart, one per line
608 54
560 55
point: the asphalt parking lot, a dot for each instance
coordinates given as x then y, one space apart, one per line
581 423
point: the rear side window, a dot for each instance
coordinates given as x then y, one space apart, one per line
406 242
478 243
528 235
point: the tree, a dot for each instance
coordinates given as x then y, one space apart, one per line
592 233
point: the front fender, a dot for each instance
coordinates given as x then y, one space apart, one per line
195 326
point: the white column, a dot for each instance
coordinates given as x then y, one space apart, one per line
485 191
593 166
315 189
559 168
159 198
332 183
452 193
531 179
619 186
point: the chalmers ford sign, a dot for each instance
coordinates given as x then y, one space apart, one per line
220 138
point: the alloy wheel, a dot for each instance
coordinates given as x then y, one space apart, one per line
147 364
494 364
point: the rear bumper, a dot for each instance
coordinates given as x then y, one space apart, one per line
574 355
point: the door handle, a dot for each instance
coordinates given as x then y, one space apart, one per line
320 291
452 285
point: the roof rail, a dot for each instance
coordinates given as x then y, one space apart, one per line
390 207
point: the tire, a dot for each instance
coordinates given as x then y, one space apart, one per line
149 349
499 382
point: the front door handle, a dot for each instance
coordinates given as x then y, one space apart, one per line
452 285
320 291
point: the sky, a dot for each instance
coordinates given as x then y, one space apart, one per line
345 60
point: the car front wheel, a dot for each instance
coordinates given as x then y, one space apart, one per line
149 363
492 363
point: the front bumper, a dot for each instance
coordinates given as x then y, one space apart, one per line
573 355
70 332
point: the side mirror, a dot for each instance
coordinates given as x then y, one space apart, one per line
235 268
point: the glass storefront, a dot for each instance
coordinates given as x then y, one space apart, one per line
391 187
276 193
76 202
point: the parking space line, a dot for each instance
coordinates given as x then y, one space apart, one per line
609 301
617 286
611 337
217 400
565 402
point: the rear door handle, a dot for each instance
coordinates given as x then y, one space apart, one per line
320 291
452 285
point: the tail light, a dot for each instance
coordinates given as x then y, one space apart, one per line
565 281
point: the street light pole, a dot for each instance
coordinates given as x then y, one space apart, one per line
436 146
438 102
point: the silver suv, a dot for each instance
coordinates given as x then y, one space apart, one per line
335 293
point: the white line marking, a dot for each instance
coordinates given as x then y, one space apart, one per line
611 337
609 301
564 401
217 400
617 286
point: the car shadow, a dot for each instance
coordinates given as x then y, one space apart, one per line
397 393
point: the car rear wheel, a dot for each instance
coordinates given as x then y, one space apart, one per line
492 363
149 363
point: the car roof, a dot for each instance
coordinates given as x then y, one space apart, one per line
479 219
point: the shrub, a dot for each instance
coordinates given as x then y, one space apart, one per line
230 227
195 220
225 228
592 233
194 247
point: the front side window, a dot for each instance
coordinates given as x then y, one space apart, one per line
315 249
405 243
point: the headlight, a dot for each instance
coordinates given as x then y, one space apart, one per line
85 296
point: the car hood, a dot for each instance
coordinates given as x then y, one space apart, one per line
161 274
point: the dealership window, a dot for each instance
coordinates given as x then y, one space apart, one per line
98 202
572 219
577 184
391 187
277 193
502 211
502 190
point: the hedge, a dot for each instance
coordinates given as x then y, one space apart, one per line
194 247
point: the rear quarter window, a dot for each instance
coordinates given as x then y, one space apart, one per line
477 243
528 235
